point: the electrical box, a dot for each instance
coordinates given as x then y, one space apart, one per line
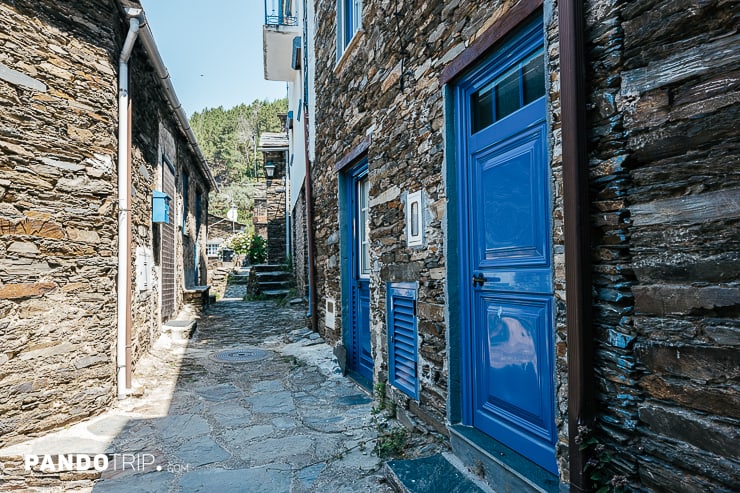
331 313
414 219
161 207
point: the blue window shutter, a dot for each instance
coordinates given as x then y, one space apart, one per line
402 338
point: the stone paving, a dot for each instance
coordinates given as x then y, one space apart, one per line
288 422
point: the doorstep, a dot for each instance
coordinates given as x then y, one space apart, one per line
499 466
430 475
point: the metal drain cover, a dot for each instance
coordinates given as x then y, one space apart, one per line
243 355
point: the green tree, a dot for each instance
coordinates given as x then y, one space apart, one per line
229 140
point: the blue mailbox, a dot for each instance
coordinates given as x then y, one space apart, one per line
160 207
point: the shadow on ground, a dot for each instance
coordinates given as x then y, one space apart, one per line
284 420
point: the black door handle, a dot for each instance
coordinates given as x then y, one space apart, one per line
479 279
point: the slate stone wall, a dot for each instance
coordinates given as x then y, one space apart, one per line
57 213
299 243
387 90
664 162
58 210
663 145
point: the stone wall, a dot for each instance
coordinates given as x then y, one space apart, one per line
299 243
387 88
664 163
271 226
58 211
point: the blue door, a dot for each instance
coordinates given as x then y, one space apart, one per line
359 353
505 235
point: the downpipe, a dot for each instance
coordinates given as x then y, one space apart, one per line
124 220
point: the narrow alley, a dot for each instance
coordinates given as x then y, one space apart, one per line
253 401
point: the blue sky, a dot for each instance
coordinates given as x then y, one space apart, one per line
213 51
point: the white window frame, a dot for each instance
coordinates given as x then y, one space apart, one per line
347 31
363 218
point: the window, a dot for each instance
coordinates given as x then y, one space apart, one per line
363 218
349 21
514 89
212 248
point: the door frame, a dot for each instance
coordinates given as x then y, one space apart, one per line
460 292
347 204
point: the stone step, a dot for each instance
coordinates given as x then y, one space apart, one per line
273 276
503 469
269 268
180 329
275 293
429 475
238 279
275 285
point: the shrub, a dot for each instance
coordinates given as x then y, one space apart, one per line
257 250
240 243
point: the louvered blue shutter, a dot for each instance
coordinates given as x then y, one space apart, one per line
402 337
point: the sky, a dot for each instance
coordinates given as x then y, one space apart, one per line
213 51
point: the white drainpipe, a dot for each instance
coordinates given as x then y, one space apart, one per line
124 199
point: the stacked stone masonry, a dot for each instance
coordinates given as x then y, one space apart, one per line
59 210
406 127
662 91
664 161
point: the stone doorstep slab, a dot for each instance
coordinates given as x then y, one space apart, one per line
180 329
429 475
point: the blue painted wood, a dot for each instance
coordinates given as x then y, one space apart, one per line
160 207
402 338
359 346
505 241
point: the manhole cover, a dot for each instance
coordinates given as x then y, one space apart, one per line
244 355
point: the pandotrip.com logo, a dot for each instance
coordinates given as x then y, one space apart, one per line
139 462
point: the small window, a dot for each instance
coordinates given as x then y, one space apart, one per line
212 248
349 21
512 90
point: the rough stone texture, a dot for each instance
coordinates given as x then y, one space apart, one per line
664 160
386 88
58 210
57 214
299 244
289 422
269 209
663 156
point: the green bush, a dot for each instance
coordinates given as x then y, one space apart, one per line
257 250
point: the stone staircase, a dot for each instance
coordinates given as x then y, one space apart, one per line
239 275
269 281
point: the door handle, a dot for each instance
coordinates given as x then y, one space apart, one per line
479 279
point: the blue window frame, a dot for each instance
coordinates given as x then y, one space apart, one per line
349 21
402 338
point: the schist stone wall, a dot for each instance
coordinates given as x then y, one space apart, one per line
58 92
274 230
663 146
664 174
299 244
58 210
386 90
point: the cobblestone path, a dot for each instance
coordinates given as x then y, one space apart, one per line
285 422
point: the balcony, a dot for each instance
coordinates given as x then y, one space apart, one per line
278 37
